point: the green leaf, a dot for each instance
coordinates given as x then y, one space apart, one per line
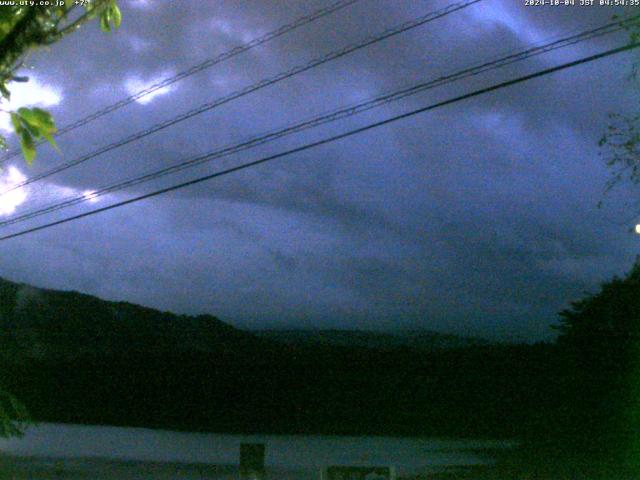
45 117
104 21
25 133
50 139
38 122
5 91
38 118
28 146
27 116
34 130
116 15
9 16
111 15
17 123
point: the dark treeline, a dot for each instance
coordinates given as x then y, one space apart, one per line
489 391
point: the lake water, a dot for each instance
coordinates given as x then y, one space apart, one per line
283 452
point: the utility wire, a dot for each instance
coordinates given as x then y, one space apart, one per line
252 88
323 12
323 119
330 139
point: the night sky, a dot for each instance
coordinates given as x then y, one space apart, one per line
478 218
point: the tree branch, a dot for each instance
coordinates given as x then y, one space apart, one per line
13 45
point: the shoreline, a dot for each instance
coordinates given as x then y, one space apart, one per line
70 451
30 467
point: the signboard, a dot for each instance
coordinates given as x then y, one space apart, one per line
358 473
252 461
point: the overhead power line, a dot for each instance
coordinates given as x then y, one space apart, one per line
256 42
390 32
325 118
330 139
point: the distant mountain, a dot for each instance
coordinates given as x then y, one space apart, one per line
422 340
41 323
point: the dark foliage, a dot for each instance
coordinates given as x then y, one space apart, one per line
599 355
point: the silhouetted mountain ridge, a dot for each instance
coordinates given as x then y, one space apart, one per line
40 322
423 340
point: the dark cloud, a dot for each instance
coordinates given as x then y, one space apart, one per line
479 217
